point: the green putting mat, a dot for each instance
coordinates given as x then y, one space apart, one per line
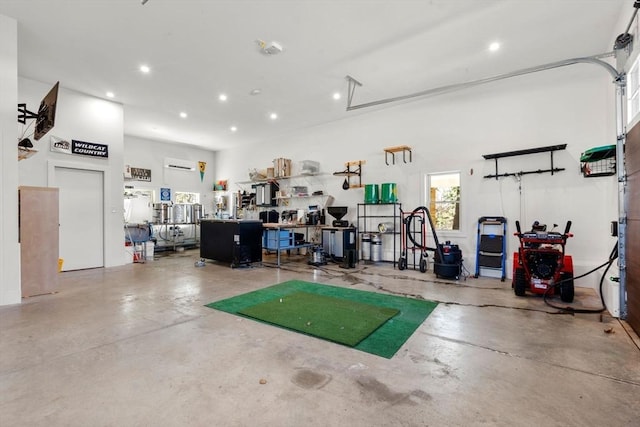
384 341
335 319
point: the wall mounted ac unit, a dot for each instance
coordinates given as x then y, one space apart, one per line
178 164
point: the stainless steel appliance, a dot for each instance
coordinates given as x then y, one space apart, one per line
265 194
316 256
179 213
339 244
161 213
227 205
198 213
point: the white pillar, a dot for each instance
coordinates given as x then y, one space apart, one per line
9 246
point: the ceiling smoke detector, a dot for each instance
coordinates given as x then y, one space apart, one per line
271 48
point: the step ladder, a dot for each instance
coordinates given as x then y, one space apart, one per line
491 249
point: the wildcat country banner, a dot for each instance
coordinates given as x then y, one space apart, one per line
82 148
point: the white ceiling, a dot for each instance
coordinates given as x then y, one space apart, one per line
198 49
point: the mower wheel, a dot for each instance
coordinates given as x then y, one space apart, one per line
423 265
519 282
566 287
402 263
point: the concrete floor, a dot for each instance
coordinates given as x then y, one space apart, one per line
135 346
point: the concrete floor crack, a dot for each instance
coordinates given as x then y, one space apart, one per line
556 365
350 277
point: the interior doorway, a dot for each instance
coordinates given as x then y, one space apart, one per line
81 217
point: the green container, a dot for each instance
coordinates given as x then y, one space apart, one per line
598 153
371 193
389 193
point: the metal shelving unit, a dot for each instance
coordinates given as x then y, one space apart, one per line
382 213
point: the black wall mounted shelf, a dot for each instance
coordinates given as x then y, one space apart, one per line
550 149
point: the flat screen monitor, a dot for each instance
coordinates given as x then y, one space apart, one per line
46 113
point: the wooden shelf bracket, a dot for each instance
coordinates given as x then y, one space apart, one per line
393 150
352 169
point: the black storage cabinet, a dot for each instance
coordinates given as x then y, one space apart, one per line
237 242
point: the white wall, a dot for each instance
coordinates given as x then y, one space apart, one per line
451 132
147 154
85 118
9 246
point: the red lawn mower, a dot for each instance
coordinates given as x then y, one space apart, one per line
540 265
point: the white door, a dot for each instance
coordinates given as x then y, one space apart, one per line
81 217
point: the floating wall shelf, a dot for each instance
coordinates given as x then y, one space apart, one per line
280 178
397 149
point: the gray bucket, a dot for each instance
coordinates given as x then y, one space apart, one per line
376 248
365 247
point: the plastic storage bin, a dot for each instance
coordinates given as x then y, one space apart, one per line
277 239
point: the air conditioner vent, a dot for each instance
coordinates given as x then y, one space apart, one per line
179 164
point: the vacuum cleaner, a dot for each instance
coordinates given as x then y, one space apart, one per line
448 256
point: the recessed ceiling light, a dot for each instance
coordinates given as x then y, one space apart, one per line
337 96
494 46
233 128
145 69
110 95
183 115
273 116
222 97
255 92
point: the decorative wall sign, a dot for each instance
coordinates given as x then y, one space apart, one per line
202 166
60 145
89 148
140 174
82 148
165 194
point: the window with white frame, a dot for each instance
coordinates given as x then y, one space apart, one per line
138 203
132 192
443 199
185 197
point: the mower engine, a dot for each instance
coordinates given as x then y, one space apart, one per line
541 265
